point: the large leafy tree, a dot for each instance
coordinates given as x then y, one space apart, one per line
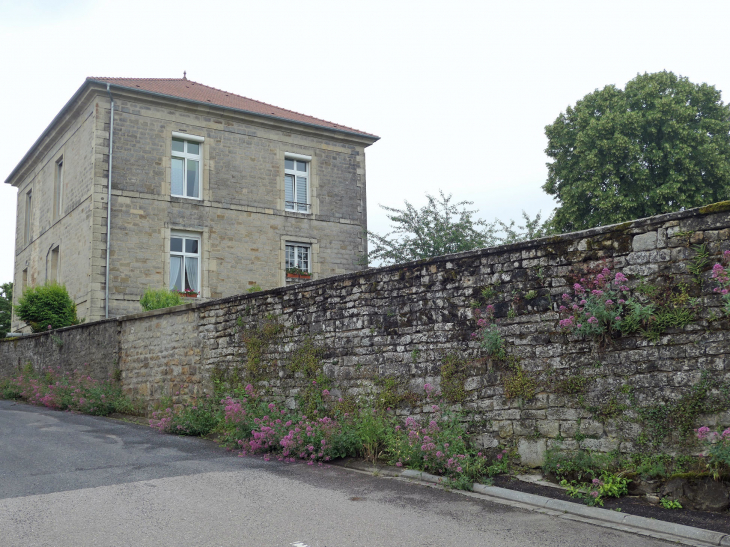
6 308
442 227
660 145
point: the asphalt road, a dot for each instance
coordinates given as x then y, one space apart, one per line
74 480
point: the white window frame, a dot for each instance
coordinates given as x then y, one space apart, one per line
297 245
295 206
185 255
58 189
185 156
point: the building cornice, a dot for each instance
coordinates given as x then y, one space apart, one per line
90 88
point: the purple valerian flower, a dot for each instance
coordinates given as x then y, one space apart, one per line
609 302
620 278
499 456
702 432
592 320
578 288
565 297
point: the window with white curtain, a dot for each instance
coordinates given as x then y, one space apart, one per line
185 168
185 263
298 256
296 183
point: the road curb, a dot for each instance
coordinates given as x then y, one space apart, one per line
604 516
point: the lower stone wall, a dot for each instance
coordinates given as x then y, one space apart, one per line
92 347
398 328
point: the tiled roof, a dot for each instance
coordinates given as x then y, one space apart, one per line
194 91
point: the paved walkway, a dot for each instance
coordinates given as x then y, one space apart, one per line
73 480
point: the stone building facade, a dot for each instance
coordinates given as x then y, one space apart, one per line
210 192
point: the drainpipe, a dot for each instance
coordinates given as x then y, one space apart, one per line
109 202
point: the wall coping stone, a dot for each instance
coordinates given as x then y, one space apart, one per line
720 207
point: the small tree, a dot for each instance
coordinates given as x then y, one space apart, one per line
155 299
47 305
6 308
437 229
441 228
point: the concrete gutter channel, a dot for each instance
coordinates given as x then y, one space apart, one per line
659 529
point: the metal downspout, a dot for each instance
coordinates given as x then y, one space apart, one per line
109 202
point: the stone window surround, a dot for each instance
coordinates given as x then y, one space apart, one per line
53 270
314 266
184 254
204 251
183 134
296 173
283 154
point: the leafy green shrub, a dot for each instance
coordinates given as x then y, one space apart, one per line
576 465
155 299
609 485
670 504
196 419
47 305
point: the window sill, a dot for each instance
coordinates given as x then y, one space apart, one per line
184 198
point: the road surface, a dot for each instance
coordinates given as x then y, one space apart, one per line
73 480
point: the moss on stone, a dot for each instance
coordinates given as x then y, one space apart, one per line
719 207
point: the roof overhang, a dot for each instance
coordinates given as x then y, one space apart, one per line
89 86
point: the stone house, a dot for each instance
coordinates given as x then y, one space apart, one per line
186 187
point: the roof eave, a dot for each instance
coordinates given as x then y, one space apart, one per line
373 138
80 90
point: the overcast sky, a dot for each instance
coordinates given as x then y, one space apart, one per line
459 92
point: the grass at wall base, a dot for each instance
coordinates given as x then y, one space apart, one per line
76 391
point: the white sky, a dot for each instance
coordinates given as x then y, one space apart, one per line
459 92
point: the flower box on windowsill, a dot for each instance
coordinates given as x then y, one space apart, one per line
299 276
188 294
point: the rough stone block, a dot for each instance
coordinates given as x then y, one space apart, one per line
532 452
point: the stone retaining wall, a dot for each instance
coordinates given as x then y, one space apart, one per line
401 322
